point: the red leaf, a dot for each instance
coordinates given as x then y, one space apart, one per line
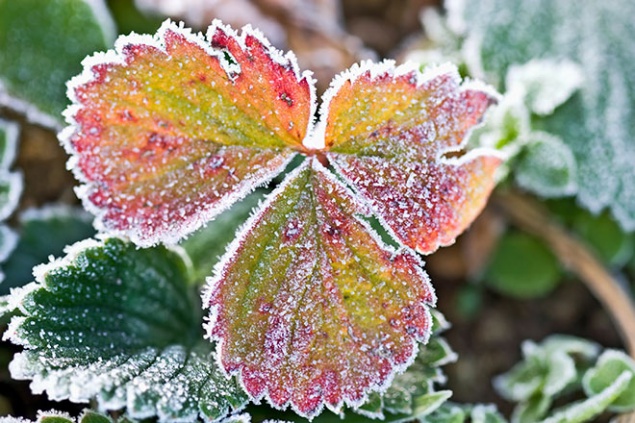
167 132
309 306
388 131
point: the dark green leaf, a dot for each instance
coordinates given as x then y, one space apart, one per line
41 46
44 232
120 325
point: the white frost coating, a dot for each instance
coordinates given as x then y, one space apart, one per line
54 211
386 67
12 135
232 248
456 15
31 112
588 408
239 241
604 361
8 241
116 57
546 84
13 181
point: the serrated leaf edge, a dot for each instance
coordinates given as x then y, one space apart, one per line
234 246
116 57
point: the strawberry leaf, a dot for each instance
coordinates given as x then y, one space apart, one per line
169 131
309 306
119 325
41 46
388 131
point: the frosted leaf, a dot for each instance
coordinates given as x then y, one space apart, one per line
583 411
168 131
9 139
610 365
11 184
547 166
41 46
119 325
598 122
395 156
546 83
310 308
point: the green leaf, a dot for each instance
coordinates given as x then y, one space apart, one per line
545 84
522 267
447 413
120 325
583 411
598 122
206 246
547 368
9 139
486 414
43 233
610 365
605 236
532 410
546 166
41 47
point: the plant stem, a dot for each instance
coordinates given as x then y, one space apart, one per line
532 217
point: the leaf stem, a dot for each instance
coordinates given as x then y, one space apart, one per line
531 216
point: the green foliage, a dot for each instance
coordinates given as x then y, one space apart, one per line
561 365
522 267
42 44
610 367
43 233
207 245
119 325
598 122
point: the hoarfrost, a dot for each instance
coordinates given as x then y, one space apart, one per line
119 325
598 122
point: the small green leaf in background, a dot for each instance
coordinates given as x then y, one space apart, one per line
43 232
522 267
604 235
598 122
546 166
610 365
42 44
583 411
122 326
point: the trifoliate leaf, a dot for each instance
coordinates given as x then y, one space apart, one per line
309 306
598 122
394 154
120 325
43 232
585 410
169 131
41 46
532 410
610 365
